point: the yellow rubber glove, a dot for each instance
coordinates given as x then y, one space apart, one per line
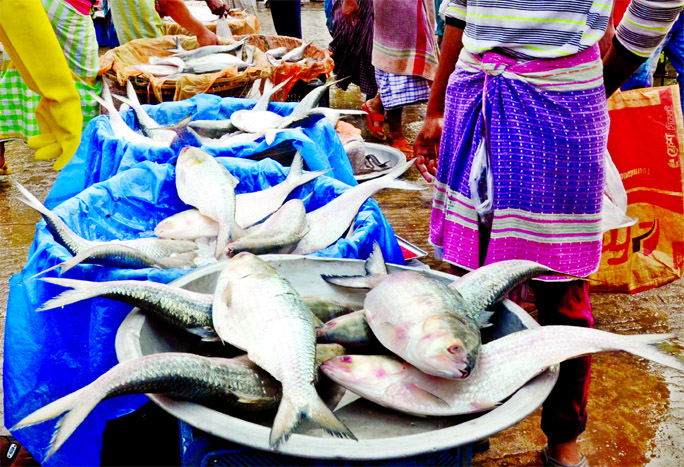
30 41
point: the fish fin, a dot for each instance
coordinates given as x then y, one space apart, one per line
289 417
29 199
270 136
483 319
47 270
77 408
297 177
404 185
408 390
375 264
643 345
352 282
81 290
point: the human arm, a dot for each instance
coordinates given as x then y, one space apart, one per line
426 146
30 41
177 10
350 12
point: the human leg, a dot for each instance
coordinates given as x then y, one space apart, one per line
376 116
564 413
4 170
287 17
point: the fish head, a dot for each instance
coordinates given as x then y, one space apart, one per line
446 346
373 373
246 264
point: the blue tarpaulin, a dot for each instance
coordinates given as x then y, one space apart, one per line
116 190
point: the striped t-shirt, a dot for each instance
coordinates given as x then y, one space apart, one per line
557 28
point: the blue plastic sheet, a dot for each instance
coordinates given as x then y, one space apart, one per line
123 194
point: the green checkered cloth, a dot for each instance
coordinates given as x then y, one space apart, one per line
76 35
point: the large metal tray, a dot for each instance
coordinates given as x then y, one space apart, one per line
381 433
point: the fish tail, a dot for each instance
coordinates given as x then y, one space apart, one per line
289 417
390 180
30 200
81 290
77 409
297 177
643 345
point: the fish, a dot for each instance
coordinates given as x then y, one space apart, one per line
214 63
151 248
238 137
277 52
178 48
146 122
259 311
182 308
297 53
309 101
350 330
187 225
269 91
332 115
119 127
228 384
161 70
255 121
120 255
258 205
203 182
208 50
222 28
277 234
326 309
328 223
505 365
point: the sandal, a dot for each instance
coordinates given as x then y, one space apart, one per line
404 146
4 169
375 122
549 461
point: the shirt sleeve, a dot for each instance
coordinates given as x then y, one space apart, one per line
456 13
645 25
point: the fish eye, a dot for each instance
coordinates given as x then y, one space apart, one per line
346 359
454 349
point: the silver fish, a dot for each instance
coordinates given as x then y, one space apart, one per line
213 128
224 383
160 70
187 225
238 137
121 255
309 101
350 330
146 122
505 365
206 184
255 121
257 310
297 53
277 52
328 223
208 50
332 115
277 234
258 205
326 309
214 63
182 308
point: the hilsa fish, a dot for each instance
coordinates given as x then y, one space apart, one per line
505 365
206 184
258 310
228 384
328 223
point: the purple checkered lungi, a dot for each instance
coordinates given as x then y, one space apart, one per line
546 151
400 90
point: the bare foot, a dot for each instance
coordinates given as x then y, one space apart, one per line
566 453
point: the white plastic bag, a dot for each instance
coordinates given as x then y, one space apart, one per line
480 169
614 209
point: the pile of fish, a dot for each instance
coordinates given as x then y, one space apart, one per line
409 316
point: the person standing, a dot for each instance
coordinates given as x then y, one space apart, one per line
405 57
515 133
287 17
23 113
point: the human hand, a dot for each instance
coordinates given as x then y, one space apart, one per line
206 37
426 147
217 7
350 12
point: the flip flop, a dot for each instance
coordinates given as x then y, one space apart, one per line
375 123
404 146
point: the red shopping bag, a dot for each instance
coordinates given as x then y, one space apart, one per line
646 141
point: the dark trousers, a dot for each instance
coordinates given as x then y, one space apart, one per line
287 17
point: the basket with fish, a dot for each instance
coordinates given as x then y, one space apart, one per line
239 22
172 68
292 59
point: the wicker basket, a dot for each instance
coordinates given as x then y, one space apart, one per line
172 89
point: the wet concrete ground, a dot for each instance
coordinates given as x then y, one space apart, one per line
636 408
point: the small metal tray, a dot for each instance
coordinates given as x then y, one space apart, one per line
381 433
385 154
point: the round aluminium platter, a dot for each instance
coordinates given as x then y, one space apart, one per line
381 433
386 156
